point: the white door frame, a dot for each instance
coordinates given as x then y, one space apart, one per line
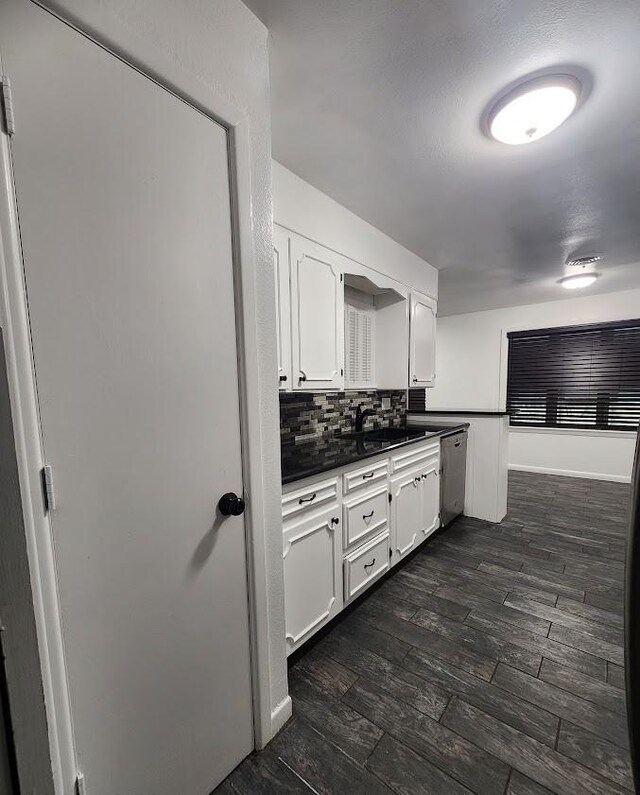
109 33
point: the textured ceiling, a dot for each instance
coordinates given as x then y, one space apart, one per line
378 103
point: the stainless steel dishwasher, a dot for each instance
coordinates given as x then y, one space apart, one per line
452 475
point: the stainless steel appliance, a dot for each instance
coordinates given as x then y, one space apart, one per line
452 476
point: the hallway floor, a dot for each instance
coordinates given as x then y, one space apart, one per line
490 663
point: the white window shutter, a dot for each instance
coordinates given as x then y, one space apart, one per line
359 329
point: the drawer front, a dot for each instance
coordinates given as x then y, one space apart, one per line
365 565
364 477
365 516
411 456
305 500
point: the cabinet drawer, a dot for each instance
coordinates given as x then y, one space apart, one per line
365 515
306 499
363 477
365 564
411 456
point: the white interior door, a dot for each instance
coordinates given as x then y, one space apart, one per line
317 294
124 209
422 357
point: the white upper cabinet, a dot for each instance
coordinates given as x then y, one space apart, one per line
343 325
283 304
422 342
317 327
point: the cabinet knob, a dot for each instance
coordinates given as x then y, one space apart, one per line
283 378
415 379
335 520
302 377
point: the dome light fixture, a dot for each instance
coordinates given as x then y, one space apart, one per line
533 109
578 280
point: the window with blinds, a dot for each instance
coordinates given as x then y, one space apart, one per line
359 330
576 377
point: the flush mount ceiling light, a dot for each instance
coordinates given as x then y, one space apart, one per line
579 280
533 109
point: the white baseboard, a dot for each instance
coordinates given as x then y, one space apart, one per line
281 715
570 473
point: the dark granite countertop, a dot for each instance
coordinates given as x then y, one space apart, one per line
311 457
463 413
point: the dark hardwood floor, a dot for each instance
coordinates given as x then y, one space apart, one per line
490 663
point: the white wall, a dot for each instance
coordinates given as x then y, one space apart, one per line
471 359
602 455
222 48
301 208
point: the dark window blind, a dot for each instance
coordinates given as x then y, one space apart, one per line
576 377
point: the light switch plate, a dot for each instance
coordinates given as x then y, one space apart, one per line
386 403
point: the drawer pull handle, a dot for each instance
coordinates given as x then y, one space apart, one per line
366 477
366 516
369 565
335 520
307 499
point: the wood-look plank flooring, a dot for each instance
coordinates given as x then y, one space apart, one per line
490 663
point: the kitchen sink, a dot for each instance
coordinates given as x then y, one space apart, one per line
387 434
433 428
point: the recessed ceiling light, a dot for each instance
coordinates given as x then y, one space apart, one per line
579 280
533 109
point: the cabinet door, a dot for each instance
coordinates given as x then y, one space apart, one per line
283 305
407 513
430 486
312 558
317 300
422 345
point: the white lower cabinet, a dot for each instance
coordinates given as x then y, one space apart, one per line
430 485
345 529
407 512
365 565
365 516
312 558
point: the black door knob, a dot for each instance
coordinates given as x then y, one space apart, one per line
230 504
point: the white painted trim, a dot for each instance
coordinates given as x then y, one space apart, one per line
570 473
29 456
280 716
109 32
573 432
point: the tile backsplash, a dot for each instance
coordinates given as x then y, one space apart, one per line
309 415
